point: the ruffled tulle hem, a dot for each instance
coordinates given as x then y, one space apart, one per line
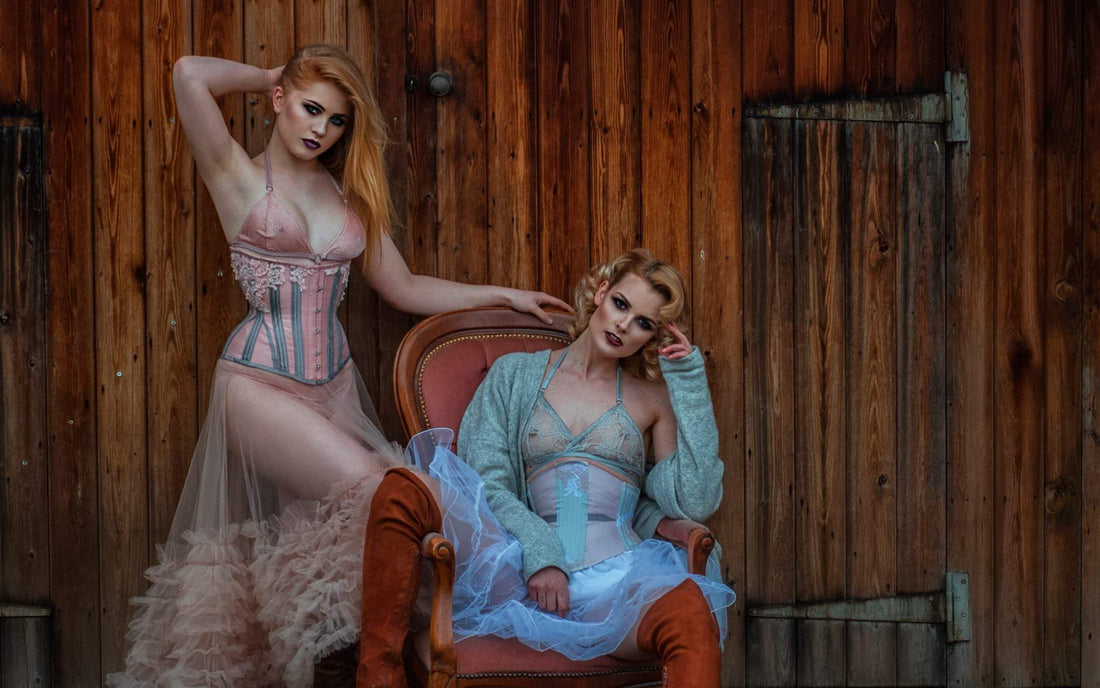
254 604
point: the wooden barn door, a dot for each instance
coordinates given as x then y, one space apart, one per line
845 394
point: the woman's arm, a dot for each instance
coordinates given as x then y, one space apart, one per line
423 295
686 482
484 443
197 82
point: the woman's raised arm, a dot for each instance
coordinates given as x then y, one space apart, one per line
197 82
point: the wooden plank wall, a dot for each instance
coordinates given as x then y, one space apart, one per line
578 129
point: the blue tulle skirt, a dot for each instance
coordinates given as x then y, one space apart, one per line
490 595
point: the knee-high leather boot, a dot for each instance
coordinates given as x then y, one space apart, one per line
402 512
680 629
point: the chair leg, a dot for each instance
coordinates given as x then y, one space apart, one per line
402 511
680 629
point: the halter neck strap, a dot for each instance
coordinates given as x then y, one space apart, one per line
557 364
267 172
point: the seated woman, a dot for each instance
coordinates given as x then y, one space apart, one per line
553 512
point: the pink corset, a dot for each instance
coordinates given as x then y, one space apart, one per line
293 293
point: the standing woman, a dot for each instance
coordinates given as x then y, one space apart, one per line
261 573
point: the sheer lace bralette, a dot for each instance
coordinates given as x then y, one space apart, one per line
612 439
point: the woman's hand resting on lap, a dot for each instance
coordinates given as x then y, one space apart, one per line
549 589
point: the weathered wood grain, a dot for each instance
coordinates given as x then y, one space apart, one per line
871 44
871 176
322 21
666 131
970 334
422 242
1018 346
1061 306
821 267
512 155
217 32
74 489
767 53
615 165
768 251
921 393
920 45
460 43
563 145
818 48
717 287
268 42
172 371
1090 351
119 313
25 507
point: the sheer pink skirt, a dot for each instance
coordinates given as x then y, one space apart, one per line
261 574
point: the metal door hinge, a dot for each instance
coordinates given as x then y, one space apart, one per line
950 607
958 107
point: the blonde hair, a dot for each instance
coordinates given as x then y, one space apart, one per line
357 159
664 278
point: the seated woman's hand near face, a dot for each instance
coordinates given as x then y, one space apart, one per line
549 589
677 349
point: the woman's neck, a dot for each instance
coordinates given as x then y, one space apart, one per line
586 361
281 159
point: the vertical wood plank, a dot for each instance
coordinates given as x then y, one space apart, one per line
870 39
820 440
1018 391
218 32
423 226
769 394
460 42
512 155
21 52
921 393
767 59
818 48
872 373
717 287
666 131
1090 363
971 271
74 492
1062 345
920 45
614 173
268 42
24 510
321 21
120 329
376 38
563 182
169 266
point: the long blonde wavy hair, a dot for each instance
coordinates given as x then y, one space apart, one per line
356 160
665 279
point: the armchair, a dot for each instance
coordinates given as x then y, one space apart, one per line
438 367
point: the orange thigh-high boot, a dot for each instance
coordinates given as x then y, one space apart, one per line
681 630
402 512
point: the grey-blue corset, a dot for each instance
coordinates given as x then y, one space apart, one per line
587 485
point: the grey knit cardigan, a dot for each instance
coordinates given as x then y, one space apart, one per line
686 484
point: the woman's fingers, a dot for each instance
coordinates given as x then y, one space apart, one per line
547 300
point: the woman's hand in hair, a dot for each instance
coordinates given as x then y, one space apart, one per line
273 76
677 349
549 589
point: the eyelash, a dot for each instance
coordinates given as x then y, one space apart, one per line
642 322
314 110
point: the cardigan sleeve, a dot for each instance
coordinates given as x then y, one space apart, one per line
688 483
485 443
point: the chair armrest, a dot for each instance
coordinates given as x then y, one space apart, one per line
441 553
696 538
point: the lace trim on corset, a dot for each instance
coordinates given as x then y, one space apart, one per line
255 277
613 436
